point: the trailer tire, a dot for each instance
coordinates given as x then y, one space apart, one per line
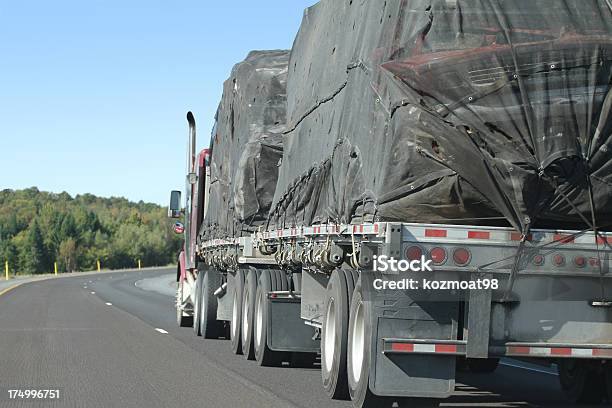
334 334
210 327
197 304
358 354
181 319
235 323
359 358
248 311
264 356
581 381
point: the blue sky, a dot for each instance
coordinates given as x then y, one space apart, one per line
93 94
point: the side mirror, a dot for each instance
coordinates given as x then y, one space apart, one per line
174 210
178 228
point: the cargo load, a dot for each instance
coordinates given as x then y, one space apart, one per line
449 111
246 145
420 187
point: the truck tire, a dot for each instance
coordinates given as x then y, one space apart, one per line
210 327
181 318
358 364
359 360
197 304
265 357
235 323
248 311
581 381
334 333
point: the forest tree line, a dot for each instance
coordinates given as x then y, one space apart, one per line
38 229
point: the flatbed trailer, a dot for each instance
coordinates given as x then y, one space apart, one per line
471 138
289 294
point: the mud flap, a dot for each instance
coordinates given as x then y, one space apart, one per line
415 375
394 315
286 330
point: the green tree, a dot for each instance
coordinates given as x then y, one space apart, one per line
32 252
68 254
38 228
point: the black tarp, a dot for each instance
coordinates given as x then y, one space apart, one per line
246 145
449 111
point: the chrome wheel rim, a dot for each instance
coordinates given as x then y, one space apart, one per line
245 315
259 320
235 315
330 335
357 350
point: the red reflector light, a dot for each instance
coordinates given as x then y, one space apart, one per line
435 233
413 253
563 239
438 255
461 256
604 240
478 235
538 260
580 261
559 260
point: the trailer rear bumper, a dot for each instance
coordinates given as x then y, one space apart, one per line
535 350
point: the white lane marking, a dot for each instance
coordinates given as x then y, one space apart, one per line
537 370
162 331
93 293
109 304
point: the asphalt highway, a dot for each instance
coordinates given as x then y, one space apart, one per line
110 340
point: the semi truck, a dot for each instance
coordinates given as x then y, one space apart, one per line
416 187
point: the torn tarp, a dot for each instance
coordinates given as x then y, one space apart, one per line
449 111
246 145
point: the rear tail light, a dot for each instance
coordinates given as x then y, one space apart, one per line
414 253
461 256
438 255
559 260
538 260
580 261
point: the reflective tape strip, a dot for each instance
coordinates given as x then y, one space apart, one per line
405 346
603 353
446 348
459 348
582 352
559 352
402 347
435 232
424 348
